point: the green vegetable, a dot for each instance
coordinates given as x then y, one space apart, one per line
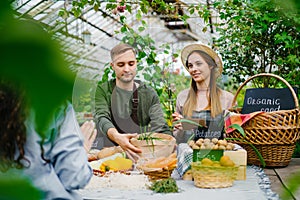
149 138
164 186
107 168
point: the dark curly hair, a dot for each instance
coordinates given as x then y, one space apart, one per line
13 114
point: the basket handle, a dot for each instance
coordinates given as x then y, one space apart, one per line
270 75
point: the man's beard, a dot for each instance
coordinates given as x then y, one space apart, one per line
128 78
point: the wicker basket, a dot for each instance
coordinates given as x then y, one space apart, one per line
274 134
213 176
158 173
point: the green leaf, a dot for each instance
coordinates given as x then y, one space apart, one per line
238 128
144 23
40 68
122 19
185 17
108 6
96 7
141 28
192 10
77 12
63 13
142 54
187 121
128 8
147 77
131 41
175 55
138 15
123 29
150 60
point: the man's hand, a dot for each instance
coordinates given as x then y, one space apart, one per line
89 133
130 150
124 141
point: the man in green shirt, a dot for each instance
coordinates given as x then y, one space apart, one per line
125 107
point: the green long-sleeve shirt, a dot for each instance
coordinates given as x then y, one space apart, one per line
149 112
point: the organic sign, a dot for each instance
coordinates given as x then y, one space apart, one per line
268 100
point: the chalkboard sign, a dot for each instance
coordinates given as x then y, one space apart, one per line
268 100
209 127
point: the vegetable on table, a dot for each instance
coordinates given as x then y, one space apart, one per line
164 186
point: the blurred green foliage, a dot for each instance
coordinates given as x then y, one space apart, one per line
13 187
31 58
259 36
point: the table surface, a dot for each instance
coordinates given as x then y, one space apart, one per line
248 189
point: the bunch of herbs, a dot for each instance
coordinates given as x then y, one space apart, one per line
164 186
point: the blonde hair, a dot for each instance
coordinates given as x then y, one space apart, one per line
119 49
214 92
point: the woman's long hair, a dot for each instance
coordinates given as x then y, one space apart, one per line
13 114
213 94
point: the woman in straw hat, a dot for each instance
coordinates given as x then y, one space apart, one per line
204 66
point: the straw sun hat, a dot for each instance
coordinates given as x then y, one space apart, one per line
192 47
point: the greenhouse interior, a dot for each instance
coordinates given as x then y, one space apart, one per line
143 99
88 38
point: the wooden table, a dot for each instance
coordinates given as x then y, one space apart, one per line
279 178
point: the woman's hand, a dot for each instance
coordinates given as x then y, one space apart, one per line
176 116
89 133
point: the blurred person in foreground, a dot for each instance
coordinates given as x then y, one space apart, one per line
125 107
55 162
204 66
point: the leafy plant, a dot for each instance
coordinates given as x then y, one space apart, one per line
258 36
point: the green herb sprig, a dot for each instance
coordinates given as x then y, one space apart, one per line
149 138
164 186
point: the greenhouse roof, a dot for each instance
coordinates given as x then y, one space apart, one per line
88 56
